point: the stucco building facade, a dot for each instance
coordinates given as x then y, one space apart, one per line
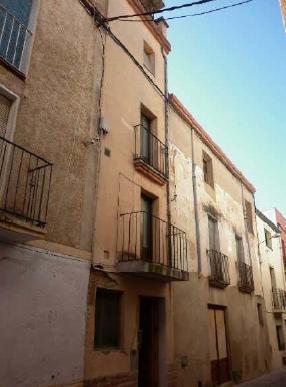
274 290
128 240
221 301
50 75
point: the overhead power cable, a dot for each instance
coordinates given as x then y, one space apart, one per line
169 9
193 14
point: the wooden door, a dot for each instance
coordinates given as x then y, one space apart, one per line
218 346
148 375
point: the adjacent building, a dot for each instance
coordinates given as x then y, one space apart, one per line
222 304
50 77
129 253
280 221
283 10
274 287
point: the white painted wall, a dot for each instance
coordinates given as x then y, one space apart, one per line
42 317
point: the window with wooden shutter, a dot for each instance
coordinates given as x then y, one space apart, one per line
239 249
248 216
5 105
107 318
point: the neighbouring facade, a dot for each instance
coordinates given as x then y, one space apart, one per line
274 286
129 252
283 10
50 75
220 303
280 221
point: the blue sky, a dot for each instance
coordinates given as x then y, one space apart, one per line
229 70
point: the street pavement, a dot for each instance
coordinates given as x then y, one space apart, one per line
273 379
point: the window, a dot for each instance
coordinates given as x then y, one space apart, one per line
260 314
5 105
280 338
208 169
248 216
149 58
107 318
146 137
15 36
268 239
239 249
146 227
283 249
272 277
213 234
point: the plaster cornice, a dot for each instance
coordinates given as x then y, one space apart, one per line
207 140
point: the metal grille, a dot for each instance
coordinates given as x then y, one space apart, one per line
219 272
161 244
5 105
151 150
25 180
279 299
245 277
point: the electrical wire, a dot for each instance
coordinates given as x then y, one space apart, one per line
194 14
169 9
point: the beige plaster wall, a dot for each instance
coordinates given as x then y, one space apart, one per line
58 112
248 357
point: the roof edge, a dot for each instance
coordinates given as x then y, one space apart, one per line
204 136
268 221
151 25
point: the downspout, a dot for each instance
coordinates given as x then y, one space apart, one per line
169 217
166 100
259 251
195 194
245 223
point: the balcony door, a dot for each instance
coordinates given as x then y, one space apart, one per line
215 258
218 345
146 138
146 228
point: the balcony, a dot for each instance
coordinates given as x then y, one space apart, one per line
219 273
151 155
245 278
279 300
15 39
150 247
25 180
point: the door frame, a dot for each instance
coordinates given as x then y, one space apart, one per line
227 334
162 367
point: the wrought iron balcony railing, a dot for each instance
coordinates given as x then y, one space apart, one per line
150 150
219 272
145 237
245 277
25 180
279 299
15 39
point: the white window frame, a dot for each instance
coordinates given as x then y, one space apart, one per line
26 58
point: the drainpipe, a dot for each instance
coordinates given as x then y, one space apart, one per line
166 100
245 223
195 194
259 251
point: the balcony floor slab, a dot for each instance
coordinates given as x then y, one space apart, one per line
152 270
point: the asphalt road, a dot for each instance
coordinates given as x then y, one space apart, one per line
274 379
